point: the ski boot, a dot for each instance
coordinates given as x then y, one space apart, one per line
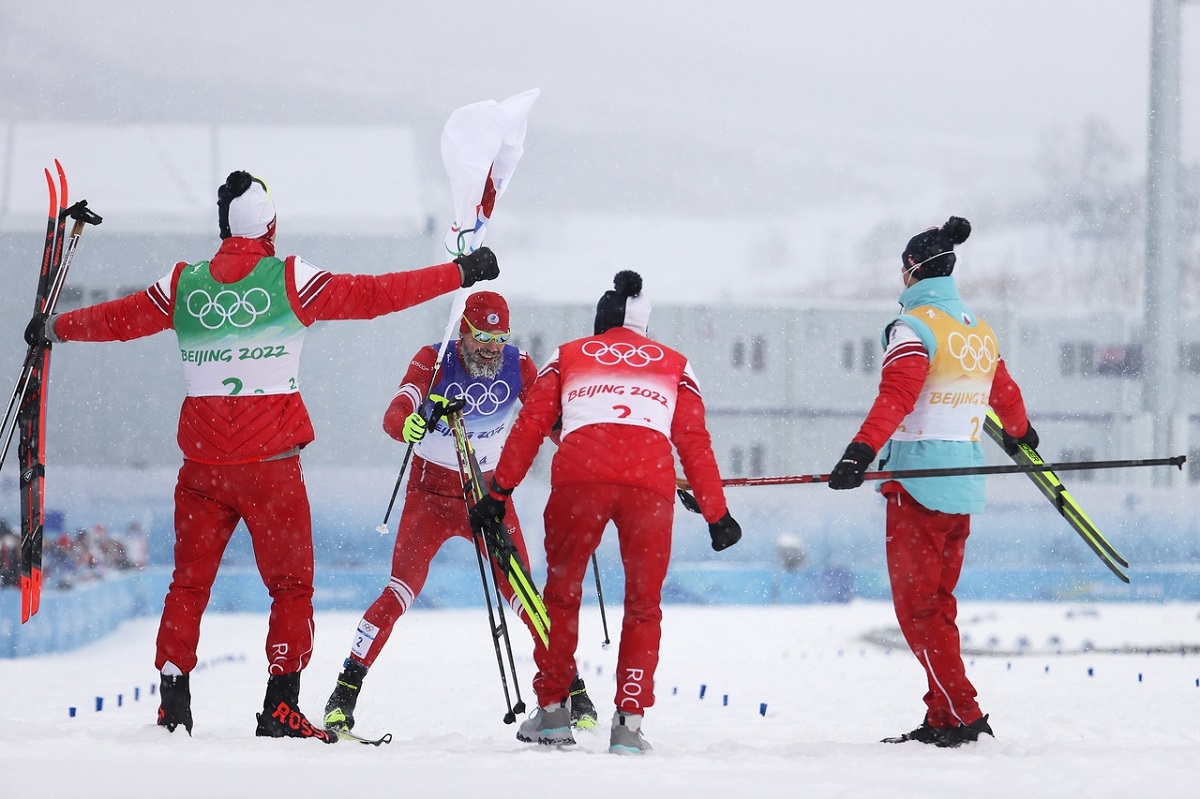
339 710
952 737
281 718
175 702
583 712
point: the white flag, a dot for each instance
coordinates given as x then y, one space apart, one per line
481 145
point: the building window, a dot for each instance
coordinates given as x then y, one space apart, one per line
1119 360
758 353
848 356
758 460
1189 358
753 355
536 349
1066 358
1079 455
70 297
869 348
1087 358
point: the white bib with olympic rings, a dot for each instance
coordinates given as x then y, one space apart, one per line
619 377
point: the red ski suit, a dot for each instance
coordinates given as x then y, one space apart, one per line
624 399
241 453
434 512
925 547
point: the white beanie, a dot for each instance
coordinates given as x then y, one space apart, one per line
245 207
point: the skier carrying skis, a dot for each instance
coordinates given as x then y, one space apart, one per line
941 370
623 399
492 376
240 319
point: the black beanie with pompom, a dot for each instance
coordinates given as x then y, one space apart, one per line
624 306
930 253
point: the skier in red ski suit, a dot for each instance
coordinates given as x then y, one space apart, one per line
240 319
623 399
941 370
493 377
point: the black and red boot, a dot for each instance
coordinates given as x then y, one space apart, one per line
281 716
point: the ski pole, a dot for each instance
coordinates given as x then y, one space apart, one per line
457 306
963 471
600 596
498 631
382 529
472 492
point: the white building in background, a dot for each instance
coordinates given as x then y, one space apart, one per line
163 178
786 381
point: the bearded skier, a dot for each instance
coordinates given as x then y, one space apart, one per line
493 377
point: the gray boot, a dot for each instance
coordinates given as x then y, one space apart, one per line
626 736
550 725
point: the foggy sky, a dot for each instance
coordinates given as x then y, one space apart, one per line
761 107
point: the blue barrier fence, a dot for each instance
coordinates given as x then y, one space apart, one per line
72 618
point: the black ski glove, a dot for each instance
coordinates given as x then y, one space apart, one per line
724 532
1012 444
39 330
486 512
848 473
478 265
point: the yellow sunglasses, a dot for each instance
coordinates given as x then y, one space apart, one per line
484 337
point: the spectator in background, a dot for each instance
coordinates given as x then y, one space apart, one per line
60 563
10 556
137 546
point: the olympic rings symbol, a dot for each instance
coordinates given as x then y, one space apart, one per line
975 353
622 352
484 399
228 307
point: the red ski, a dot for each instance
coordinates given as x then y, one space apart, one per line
29 397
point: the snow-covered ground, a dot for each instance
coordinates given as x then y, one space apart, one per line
1093 708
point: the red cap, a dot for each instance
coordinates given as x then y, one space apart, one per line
486 310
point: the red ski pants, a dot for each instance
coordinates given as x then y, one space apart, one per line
429 520
924 557
575 518
210 500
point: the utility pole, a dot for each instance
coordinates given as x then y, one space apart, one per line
1160 335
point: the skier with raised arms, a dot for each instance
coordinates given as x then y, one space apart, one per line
240 319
